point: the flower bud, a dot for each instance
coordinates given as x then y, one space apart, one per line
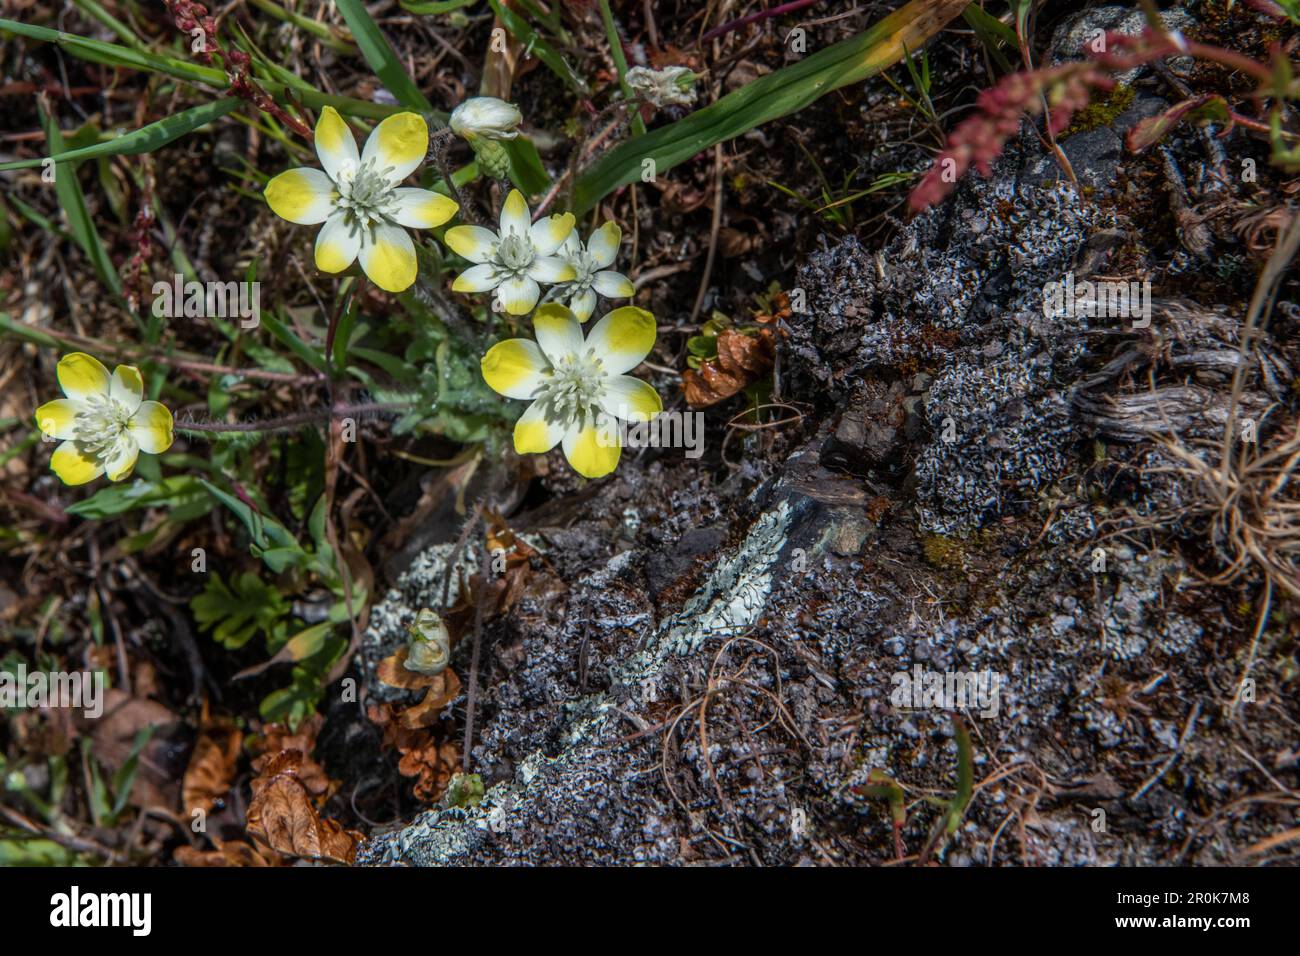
485 117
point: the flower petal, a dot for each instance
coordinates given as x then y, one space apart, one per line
127 387
304 196
422 208
73 466
82 376
479 278
121 458
593 449
623 338
471 242
612 285
514 215
335 145
557 331
398 145
518 295
602 246
583 304
547 235
515 368
388 257
151 427
58 419
337 244
534 433
551 269
631 399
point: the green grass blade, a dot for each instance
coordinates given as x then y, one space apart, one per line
620 62
523 31
111 54
381 57
770 97
73 201
144 140
435 7
526 169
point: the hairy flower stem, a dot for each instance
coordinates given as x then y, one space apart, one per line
291 422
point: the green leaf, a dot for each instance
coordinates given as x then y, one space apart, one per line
73 201
523 31
237 613
526 169
111 54
379 54
296 345
171 493
435 6
770 97
144 140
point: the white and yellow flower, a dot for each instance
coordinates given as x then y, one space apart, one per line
103 423
516 260
360 199
579 388
590 275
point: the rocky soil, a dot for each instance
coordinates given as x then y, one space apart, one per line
705 670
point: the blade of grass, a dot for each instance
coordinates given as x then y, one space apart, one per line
381 56
770 97
523 31
435 7
73 202
124 33
317 29
620 63
144 140
111 54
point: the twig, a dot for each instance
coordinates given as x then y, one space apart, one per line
471 694
755 18
713 233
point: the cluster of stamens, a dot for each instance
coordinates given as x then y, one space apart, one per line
100 423
366 193
574 387
585 269
515 254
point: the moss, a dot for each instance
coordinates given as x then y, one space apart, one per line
1100 112
943 554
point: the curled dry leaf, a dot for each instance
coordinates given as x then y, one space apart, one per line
276 738
228 853
444 689
282 816
741 360
427 757
212 765
393 671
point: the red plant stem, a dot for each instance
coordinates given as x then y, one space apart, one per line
756 17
